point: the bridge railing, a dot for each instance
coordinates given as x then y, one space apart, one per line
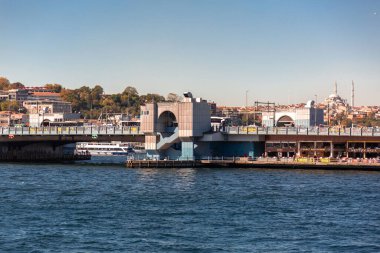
72 130
133 130
327 131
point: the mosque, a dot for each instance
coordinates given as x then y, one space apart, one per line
335 101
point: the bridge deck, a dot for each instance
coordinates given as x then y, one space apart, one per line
241 130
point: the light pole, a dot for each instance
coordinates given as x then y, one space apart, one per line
246 104
315 111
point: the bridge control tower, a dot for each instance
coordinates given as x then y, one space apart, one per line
172 128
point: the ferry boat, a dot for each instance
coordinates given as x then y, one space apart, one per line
107 148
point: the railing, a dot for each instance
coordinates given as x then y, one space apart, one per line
166 142
73 130
324 131
132 130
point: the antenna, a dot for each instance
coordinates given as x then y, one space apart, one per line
336 88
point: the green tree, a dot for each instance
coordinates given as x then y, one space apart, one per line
96 96
9 106
72 96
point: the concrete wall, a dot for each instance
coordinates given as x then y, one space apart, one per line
148 118
231 149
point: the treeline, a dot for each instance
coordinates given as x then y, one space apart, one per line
91 102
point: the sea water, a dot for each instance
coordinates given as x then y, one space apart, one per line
108 208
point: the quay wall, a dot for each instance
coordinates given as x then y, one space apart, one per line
244 163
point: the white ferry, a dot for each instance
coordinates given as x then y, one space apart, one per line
106 148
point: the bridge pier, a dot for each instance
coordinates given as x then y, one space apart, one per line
39 152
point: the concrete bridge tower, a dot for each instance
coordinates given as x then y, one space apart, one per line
172 128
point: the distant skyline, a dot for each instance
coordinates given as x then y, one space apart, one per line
280 51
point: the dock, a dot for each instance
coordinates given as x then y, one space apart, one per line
246 163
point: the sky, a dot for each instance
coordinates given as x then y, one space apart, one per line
282 51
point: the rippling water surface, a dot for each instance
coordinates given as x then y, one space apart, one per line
93 208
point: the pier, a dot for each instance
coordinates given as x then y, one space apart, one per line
261 163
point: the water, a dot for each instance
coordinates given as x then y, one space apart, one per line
87 208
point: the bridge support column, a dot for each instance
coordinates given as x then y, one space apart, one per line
298 149
187 150
315 149
364 150
331 149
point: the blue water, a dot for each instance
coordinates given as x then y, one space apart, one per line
94 208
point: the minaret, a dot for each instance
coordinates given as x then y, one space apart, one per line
336 89
353 95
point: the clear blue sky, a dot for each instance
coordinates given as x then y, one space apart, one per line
281 51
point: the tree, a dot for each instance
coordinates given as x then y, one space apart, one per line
71 96
109 105
96 96
85 97
4 83
151 98
54 87
16 85
131 100
9 106
346 122
172 97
